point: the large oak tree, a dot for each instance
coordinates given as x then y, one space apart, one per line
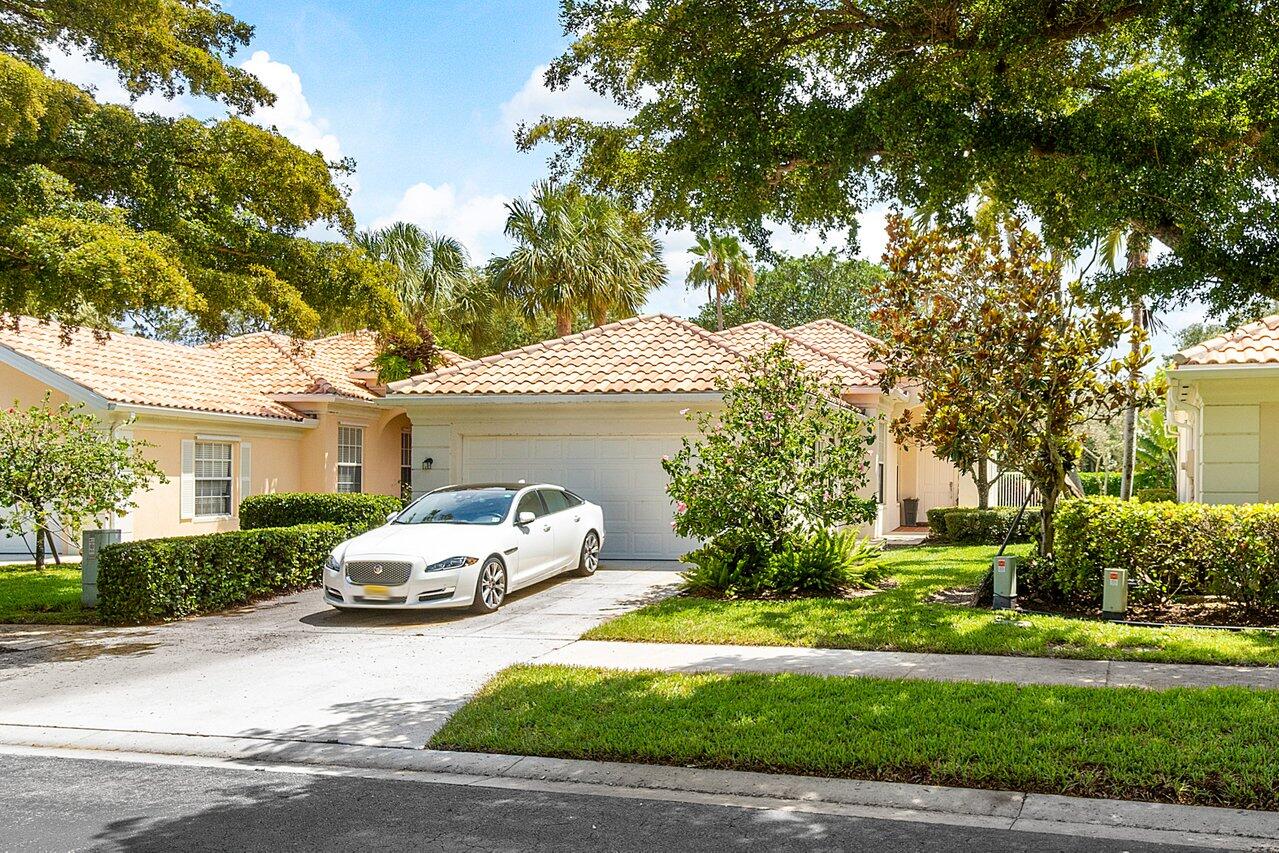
106 213
1088 115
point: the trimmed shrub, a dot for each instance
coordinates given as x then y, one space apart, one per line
355 512
1169 549
1101 482
972 526
937 521
1152 496
822 564
160 579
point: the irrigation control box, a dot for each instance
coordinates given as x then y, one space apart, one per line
1114 594
92 542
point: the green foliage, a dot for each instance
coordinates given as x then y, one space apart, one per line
576 253
1085 117
106 213
825 563
62 463
724 268
1011 364
937 522
403 355
795 291
971 526
1169 549
353 512
1101 482
782 459
155 580
1156 495
1156 453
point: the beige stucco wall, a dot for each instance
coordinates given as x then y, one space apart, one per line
16 386
1228 428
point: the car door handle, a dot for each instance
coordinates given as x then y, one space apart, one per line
546 528
577 518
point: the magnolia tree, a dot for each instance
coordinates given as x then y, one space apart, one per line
782 459
59 463
1025 360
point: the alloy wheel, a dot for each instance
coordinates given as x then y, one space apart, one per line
493 584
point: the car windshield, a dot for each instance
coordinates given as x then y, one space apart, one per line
467 506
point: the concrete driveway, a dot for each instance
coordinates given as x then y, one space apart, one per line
293 668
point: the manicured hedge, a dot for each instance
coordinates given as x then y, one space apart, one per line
1101 482
356 512
1150 496
159 579
972 526
1169 549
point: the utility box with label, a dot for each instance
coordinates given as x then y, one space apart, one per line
1114 594
91 544
1005 572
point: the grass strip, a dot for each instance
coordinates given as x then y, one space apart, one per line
49 596
1213 746
902 618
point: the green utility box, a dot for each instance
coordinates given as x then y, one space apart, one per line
1114 594
91 544
1005 572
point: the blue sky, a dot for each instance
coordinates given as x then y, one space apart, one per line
425 97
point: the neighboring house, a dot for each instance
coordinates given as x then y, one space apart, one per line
597 410
1223 399
594 411
255 413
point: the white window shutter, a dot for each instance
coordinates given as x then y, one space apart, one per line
246 470
188 480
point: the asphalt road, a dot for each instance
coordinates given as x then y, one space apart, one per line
71 804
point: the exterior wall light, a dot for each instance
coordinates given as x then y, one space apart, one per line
427 463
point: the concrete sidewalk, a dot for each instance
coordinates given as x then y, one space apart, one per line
673 657
1193 826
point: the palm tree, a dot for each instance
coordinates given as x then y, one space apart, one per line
1137 246
576 253
431 266
723 267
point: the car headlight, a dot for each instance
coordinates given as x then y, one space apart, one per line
332 563
452 563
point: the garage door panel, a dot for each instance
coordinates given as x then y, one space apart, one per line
621 474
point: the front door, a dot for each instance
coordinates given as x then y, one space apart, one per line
937 481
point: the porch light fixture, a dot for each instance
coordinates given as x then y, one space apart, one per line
427 463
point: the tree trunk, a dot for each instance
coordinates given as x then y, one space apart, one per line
719 311
1047 506
1138 256
981 476
40 537
563 321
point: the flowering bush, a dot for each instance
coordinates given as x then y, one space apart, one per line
784 459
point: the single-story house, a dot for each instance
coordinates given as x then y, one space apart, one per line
251 414
1223 400
594 411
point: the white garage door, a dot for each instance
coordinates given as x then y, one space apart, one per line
623 475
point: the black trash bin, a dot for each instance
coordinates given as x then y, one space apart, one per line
910 512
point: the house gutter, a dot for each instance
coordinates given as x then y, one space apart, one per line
554 399
192 414
1216 371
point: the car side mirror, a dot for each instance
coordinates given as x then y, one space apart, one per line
526 517
391 516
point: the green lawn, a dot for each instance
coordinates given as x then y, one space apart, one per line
1202 746
902 619
48 596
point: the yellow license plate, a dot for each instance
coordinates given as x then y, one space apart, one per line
371 591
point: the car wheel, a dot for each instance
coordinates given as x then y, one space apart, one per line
589 561
490 586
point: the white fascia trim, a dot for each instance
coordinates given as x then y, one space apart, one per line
1241 371
191 414
402 400
55 380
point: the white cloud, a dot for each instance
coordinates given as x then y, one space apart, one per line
291 113
476 220
535 100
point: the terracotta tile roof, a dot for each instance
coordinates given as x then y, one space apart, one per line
127 369
1255 343
757 336
277 364
844 342
649 355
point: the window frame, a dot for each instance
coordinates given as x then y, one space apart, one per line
197 479
344 430
406 459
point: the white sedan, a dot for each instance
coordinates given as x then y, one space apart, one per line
466 546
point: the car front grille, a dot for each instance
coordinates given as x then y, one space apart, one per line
382 572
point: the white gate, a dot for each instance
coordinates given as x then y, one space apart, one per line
1011 489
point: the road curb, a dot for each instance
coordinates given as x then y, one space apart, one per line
1114 819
